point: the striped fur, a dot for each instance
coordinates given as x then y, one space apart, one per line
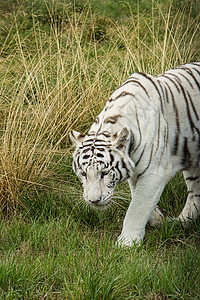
148 131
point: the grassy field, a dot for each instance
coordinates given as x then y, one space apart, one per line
59 62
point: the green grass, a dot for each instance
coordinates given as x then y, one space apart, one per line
60 61
60 249
64 257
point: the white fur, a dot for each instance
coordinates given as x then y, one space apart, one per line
156 115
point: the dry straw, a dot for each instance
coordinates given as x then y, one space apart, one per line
53 82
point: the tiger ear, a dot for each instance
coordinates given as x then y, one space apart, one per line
76 137
119 139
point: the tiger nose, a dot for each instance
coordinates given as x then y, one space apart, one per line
95 201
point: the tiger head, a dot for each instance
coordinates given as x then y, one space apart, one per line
101 162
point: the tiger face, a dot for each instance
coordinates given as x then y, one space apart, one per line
101 162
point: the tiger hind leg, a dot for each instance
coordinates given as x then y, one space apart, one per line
158 216
191 209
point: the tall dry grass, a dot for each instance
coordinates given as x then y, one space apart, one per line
55 80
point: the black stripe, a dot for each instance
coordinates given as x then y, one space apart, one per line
95 140
186 78
180 85
158 139
96 145
198 71
110 184
175 147
123 164
112 119
84 146
123 94
186 158
75 167
166 94
120 173
196 64
154 84
198 147
166 134
86 156
192 178
192 126
165 142
102 145
125 167
189 192
138 124
110 106
131 143
174 105
111 158
165 76
105 133
91 133
100 149
150 158
140 156
177 78
89 140
86 150
189 71
193 107
161 87
135 81
78 162
99 155
103 174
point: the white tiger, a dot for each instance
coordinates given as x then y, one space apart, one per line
148 131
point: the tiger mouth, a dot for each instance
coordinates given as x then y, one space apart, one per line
101 204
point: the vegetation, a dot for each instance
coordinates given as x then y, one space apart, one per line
59 62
